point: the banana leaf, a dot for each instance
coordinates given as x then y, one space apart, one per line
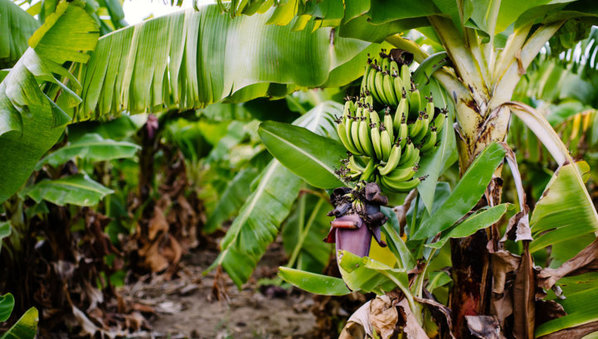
25 327
466 194
314 158
564 211
91 147
314 283
76 189
204 57
7 303
30 122
16 26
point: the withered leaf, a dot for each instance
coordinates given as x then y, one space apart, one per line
484 327
587 257
438 309
524 296
383 316
412 329
574 332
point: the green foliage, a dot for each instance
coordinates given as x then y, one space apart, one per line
91 147
31 121
314 158
199 53
480 220
7 303
443 156
581 293
565 211
303 232
76 189
17 26
263 212
368 275
25 327
314 283
466 194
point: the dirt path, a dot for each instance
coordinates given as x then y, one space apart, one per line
186 306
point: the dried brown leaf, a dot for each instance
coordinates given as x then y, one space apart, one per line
157 223
412 328
548 310
383 316
524 296
438 311
574 332
352 330
361 317
484 327
588 257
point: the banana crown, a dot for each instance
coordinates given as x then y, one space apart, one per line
390 126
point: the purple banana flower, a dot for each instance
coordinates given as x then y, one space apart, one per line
358 218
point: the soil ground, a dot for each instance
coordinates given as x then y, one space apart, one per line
187 305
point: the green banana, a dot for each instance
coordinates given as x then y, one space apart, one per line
430 106
414 102
376 142
385 143
355 135
408 151
385 62
359 110
401 113
412 158
406 77
416 127
403 186
378 82
374 117
364 79
371 85
426 119
369 101
389 91
369 170
388 123
352 107
430 141
364 138
393 160
348 129
402 173
439 121
354 165
403 134
426 68
398 86
342 135
394 68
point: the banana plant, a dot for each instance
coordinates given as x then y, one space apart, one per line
274 48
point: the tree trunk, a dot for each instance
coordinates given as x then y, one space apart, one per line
471 271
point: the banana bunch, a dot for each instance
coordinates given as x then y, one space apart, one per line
386 147
388 82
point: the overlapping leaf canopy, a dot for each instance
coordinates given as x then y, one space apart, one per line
204 57
30 121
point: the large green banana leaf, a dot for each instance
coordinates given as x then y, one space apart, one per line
16 26
374 20
260 217
30 121
191 59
